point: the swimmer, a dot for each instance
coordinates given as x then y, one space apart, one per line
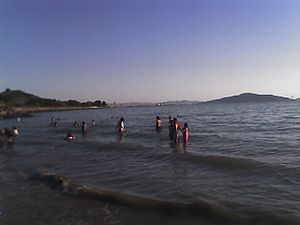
185 132
93 122
9 136
6 132
175 129
3 132
76 124
15 131
121 125
53 120
70 137
158 123
170 124
83 128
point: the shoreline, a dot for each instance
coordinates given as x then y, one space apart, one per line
27 111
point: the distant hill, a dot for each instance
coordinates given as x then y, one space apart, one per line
250 97
17 98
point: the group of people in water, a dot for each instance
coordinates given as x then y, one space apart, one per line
174 128
8 135
83 128
70 136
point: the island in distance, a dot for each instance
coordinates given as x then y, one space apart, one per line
250 97
242 98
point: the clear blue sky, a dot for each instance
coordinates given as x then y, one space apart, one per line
150 50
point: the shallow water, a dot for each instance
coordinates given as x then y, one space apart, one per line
243 159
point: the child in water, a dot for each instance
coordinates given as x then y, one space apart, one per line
158 123
185 132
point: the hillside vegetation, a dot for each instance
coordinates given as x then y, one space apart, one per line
17 102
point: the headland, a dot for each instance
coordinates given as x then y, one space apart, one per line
17 103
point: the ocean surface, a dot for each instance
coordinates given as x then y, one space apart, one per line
242 163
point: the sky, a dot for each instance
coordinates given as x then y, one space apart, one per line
150 50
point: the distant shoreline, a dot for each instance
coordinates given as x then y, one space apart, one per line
27 111
17 103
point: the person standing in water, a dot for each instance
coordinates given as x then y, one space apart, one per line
170 125
158 124
76 124
185 132
175 129
53 120
83 128
121 125
15 131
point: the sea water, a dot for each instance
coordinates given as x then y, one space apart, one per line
242 160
